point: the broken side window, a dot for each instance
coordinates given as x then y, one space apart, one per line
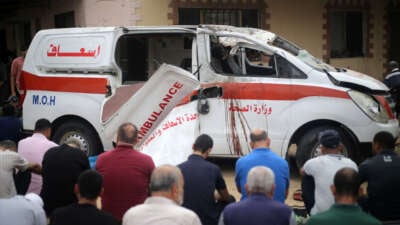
139 55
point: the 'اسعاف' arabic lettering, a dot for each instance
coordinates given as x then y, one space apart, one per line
54 51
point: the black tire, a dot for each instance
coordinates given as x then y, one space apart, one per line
82 134
308 146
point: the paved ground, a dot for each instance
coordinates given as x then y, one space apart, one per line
228 171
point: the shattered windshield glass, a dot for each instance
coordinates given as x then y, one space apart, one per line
302 54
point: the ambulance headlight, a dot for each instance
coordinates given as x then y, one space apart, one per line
370 106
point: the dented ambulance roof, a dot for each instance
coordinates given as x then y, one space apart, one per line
258 34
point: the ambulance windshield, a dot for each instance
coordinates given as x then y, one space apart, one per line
302 54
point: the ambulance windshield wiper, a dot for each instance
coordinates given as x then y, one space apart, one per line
338 69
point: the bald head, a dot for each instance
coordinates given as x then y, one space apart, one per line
347 182
127 134
259 138
260 179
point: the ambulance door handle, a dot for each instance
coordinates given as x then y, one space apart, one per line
109 92
202 103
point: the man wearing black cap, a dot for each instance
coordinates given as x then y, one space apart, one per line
324 167
392 81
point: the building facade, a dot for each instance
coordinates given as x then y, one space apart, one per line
355 34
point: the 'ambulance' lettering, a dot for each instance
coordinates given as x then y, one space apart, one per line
154 116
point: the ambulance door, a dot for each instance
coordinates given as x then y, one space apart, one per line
249 89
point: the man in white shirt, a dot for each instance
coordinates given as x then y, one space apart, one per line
163 207
10 160
324 167
22 210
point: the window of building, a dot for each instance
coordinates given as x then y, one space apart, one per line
234 17
347 33
64 20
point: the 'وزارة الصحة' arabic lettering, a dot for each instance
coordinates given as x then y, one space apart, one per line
255 108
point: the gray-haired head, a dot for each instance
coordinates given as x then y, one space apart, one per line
8 145
260 179
164 177
73 143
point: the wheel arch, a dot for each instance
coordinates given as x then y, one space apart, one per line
66 118
323 122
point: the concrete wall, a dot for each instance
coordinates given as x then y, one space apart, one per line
153 12
300 21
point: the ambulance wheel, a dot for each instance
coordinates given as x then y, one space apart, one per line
308 146
81 134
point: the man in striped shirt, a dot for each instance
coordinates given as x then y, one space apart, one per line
10 160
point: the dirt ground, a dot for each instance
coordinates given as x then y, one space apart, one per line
228 171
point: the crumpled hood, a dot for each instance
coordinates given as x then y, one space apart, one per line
356 80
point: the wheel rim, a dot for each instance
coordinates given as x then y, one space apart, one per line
78 138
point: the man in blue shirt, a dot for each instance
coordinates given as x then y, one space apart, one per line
202 178
392 81
263 156
10 124
381 172
258 208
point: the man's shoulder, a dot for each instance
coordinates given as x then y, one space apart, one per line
333 216
19 59
253 155
65 151
25 140
77 210
370 162
63 210
142 158
313 161
393 74
8 153
210 165
249 203
257 157
172 208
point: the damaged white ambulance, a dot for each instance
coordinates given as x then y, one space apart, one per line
87 81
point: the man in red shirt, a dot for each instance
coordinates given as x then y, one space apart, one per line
126 173
15 73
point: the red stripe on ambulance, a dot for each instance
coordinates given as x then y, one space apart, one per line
68 83
262 91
